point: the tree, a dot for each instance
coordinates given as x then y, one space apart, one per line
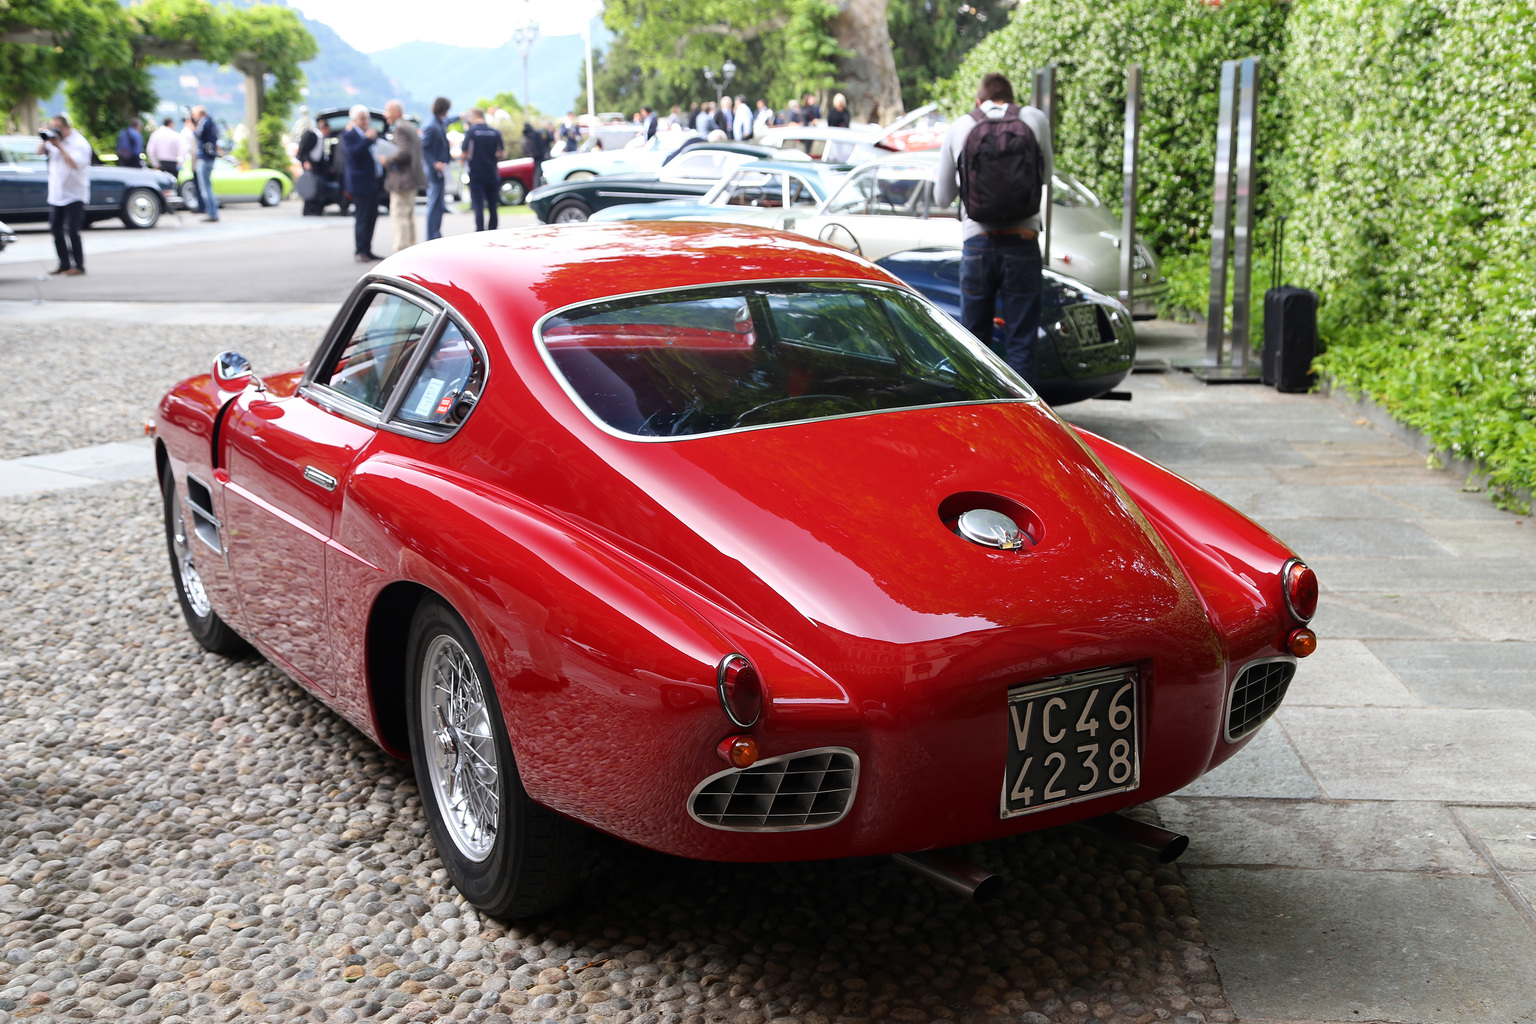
869 72
931 38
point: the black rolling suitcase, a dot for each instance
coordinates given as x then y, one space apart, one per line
1290 330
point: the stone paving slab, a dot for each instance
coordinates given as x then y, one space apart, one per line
1365 616
178 314
19 479
1361 836
1357 538
1426 575
1360 945
1490 616
1509 833
1465 674
115 460
1348 673
1498 538
1446 754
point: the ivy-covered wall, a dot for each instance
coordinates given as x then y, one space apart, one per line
1397 136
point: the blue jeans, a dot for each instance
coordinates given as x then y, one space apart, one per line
1000 276
205 188
436 204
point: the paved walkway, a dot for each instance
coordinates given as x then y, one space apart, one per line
1372 854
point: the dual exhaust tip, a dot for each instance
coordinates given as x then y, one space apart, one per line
963 878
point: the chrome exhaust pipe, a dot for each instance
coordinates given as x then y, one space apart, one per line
1166 844
953 873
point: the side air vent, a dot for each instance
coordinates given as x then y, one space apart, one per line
804 790
1256 694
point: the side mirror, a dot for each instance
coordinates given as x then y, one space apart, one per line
232 372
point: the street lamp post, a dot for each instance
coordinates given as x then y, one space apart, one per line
523 37
722 81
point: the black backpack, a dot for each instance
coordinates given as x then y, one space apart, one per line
1000 169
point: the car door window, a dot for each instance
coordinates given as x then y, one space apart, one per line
754 188
856 196
447 385
377 350
800 192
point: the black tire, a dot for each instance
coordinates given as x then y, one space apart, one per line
141 208
189 195
512 192
210 631
535 859
569 211
271 192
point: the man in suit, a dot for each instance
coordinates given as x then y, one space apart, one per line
361 180
437 155
313 158
403 175
130 143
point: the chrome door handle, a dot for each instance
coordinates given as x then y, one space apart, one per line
315 476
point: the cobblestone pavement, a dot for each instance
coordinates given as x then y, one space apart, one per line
184 837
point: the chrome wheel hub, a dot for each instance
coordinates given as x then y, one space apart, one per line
191 580
462 762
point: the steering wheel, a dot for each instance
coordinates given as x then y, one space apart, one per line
773 405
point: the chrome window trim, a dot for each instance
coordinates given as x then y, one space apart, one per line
853 791
383 419
1226 704
962 336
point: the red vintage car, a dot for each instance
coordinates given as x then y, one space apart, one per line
721 541
516 179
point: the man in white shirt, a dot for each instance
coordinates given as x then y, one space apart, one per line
741 128
69 187
164 148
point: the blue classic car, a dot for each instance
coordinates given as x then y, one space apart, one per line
137 196
1087 342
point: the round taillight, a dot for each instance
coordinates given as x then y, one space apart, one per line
741 691
1299 584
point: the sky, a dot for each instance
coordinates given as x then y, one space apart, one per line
381 24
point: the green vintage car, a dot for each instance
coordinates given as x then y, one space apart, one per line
234 184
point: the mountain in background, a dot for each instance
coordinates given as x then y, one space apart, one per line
465 74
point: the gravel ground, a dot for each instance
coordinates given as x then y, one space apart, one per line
74 384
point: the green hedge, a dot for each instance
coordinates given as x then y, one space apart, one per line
1399 139
1410 175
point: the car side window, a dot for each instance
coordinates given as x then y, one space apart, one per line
448 384
856 196
697 165
380 345
800 193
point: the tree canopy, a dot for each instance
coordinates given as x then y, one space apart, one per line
102 51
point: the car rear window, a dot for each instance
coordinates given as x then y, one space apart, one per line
731 357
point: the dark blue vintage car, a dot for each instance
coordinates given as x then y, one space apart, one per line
137 196
1087 341
687 173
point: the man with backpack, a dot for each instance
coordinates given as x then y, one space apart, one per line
997 159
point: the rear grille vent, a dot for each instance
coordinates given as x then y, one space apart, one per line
804 790
1257 693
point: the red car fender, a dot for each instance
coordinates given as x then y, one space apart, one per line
605 676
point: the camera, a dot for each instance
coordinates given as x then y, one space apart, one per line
48 135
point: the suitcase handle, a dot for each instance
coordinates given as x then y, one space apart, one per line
1277 247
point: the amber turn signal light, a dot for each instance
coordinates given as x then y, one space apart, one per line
1302 642
738 751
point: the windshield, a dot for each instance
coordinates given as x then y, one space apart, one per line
732 356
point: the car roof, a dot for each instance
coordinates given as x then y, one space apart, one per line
719 147
519 274
795 131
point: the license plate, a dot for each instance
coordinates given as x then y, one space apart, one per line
1071 739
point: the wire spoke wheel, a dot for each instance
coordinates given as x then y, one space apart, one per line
191 581
462 759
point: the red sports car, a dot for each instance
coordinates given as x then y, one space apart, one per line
516 179
721 541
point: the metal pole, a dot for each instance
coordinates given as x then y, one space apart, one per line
1128 198
1045 100
586 33
1221 215
1242 232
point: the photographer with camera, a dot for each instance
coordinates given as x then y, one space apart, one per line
69 186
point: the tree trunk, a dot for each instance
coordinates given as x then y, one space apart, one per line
869 72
